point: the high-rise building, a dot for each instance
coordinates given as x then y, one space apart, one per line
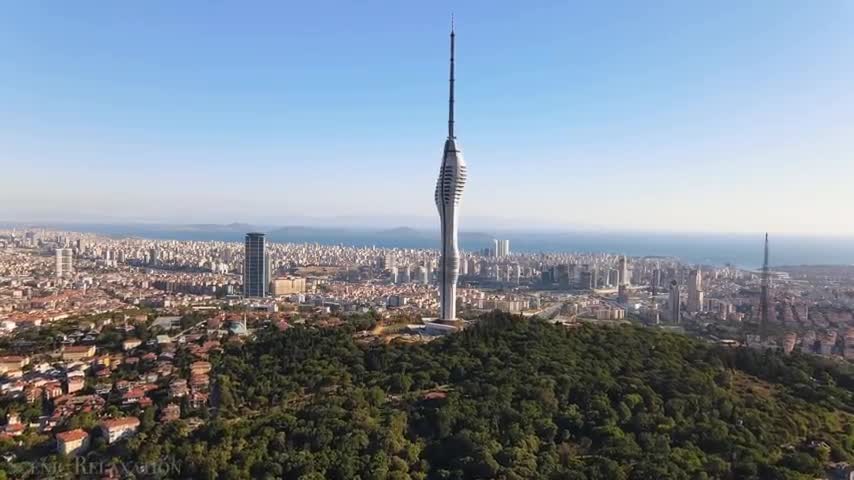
562 276
449 191
404 274
588 281
64 262
501 248
154 256
695 291
547 277
624 272
388 261
288 285
255 274
674 305
613 277
422 275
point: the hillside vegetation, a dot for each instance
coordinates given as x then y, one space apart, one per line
512 398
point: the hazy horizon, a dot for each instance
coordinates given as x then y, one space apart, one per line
381 223
741 249
671 117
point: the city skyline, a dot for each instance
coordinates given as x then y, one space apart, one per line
616 124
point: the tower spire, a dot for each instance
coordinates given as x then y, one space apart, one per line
451 88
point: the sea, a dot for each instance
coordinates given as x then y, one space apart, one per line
741 250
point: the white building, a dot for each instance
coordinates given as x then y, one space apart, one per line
502 248
118 428
64 262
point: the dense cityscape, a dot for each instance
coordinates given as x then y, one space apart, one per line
98 331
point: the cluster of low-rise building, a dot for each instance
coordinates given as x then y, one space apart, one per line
80 377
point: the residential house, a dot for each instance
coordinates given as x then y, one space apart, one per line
72 442
75 353
118 428
76 383
200 368
178 388
13 362
170 412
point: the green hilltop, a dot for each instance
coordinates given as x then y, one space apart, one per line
511 399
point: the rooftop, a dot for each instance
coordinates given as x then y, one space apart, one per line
123 422
72 435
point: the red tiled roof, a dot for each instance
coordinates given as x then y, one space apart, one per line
78 348
135 393
72 435
121 422
435 395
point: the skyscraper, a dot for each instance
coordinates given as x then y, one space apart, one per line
255 264
586 280
674 305
64 262
449 190
695 291
656 280
404 274
624 271
502 248
562 276
623 277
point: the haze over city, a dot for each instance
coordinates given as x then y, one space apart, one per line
670 116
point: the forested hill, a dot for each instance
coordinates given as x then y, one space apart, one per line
513 399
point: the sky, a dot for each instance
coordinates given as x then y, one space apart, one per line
702 116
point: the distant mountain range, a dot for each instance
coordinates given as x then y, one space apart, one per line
709 249
400 237
213 227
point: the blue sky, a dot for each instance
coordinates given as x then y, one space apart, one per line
615 115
